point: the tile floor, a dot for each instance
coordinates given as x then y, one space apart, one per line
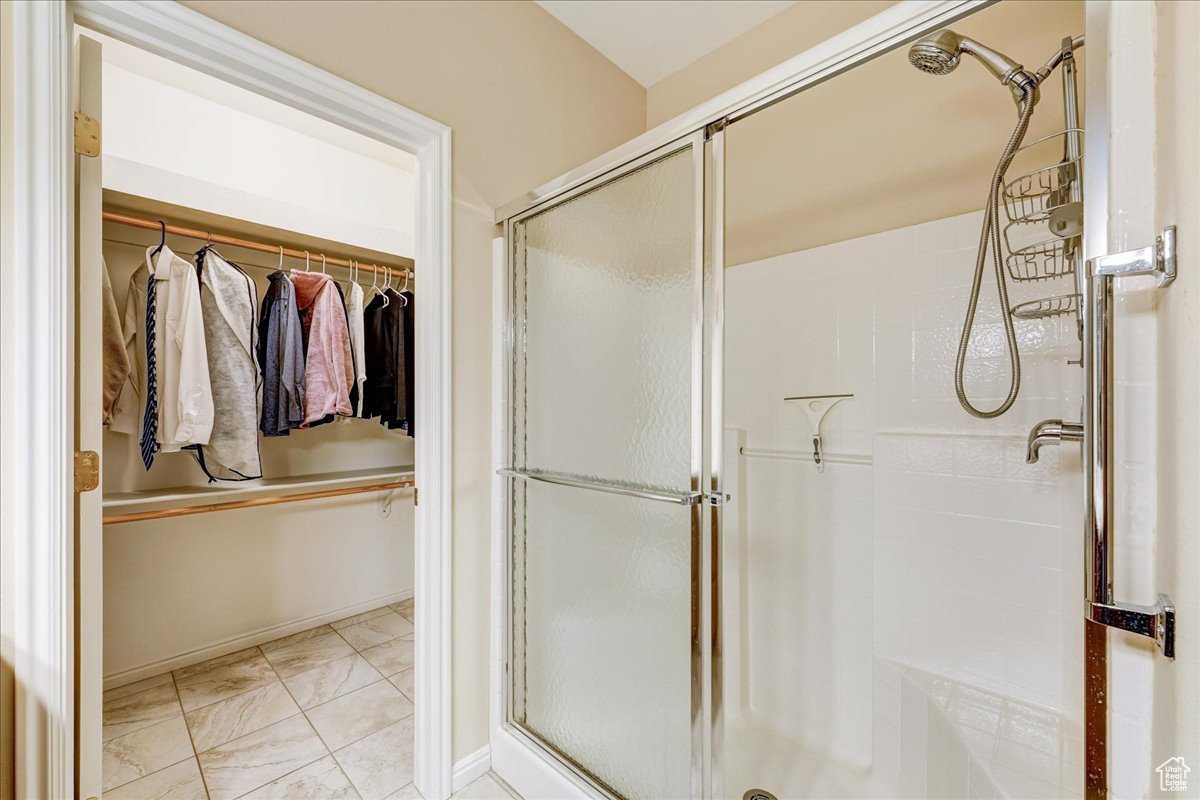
324 713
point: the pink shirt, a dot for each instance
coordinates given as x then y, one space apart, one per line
328 362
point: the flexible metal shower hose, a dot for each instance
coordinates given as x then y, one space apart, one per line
990 233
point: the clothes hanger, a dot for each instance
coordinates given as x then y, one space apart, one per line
405 289
322 263
375 290
281 258
306 261
387 284
162 241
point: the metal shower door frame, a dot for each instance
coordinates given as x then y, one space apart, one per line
700 534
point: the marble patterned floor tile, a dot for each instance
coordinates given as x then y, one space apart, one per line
404 608
382 762
302 636
391 657
324 683
239 715
376 631
404 682
133 712
215 685
137 686
485 787
180 781
357 618
254 760
322 779
360 713
213 663
135 755
304 655
408 792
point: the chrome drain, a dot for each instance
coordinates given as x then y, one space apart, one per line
759 794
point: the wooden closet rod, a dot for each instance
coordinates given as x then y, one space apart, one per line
233 241
165 513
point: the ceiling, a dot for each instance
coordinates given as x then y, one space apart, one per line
651 39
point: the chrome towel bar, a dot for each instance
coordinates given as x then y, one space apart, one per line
803 455
681 498
1157 621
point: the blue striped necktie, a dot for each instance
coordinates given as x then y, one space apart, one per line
150 416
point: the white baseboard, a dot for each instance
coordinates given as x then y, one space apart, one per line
251 639
471 767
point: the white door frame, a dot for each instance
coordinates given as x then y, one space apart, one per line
37 354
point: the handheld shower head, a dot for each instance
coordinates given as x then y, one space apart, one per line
939 53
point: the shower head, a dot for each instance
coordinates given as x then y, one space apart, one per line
936 53
939 54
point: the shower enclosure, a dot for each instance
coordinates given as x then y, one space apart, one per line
606 501
717 583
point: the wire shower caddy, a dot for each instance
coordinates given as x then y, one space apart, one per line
1044 207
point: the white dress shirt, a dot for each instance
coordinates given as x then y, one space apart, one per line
185 406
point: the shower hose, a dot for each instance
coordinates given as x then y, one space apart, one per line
990 234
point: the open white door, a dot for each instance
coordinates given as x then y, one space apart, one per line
89 526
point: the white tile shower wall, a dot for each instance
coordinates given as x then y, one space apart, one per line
936 738
976 555
969 562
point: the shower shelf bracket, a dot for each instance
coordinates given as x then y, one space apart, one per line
816 406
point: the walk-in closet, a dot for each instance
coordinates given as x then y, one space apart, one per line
254 414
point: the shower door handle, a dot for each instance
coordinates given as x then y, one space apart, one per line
679 499
1156 621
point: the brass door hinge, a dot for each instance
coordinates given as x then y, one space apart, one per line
87 135
416 496
87 470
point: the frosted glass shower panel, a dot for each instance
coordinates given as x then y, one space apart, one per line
604 288
604 638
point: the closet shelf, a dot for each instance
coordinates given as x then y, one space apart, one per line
185 500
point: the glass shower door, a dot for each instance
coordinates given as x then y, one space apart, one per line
604 657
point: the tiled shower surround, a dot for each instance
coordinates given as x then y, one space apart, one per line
948 552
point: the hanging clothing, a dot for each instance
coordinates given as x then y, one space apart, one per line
398 418
148 441
387 359
353 394
328 362
355 319
116 358
281 358
183 393
131 401
228 300
382 346
410 361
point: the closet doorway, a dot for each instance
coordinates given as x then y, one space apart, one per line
286 625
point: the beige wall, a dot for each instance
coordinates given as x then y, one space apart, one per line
880 147
527 100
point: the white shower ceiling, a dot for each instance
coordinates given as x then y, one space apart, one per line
651 39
